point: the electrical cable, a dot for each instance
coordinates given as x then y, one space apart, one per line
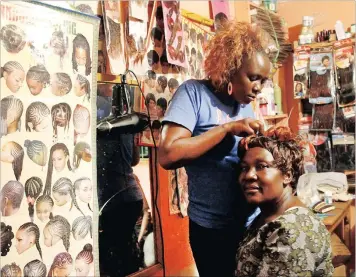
155 167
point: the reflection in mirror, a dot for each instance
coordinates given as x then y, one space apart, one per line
126 241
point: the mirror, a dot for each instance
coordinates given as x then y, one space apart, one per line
126 239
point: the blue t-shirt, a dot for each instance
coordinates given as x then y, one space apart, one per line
215 198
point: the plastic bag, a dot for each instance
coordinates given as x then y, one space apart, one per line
345 72
300 71
321 88
343 152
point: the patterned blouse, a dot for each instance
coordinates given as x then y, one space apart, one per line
296 243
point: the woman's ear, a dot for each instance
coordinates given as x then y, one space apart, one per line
287 179
5 74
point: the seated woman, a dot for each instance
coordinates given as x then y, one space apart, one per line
286 239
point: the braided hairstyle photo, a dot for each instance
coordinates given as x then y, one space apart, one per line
33 189
27 235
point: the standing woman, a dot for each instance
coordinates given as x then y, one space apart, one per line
202 127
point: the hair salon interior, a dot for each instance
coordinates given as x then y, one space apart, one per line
177 138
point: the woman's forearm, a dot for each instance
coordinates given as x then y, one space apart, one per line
176 153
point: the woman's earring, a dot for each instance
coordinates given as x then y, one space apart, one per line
229 88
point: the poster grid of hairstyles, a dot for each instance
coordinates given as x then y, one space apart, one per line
48 193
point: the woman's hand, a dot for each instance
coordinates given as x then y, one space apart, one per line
244 127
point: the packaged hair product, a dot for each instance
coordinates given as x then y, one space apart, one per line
344 120
344 58
322 145
321 88
309 152
300 71
343 152
323 117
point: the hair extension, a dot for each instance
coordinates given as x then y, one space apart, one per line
36 151
86 254
240 40
64 186
11 270
59 44
35 268
60 226
319 84
33 188
81 121
61 114
77 184
44 198
35 113
323 117
5 240
81 227
61 261
7 104
13 190
84 83
162 82
284 147
57 146
13 38
64 83
81 42
113 38
32 228
79 149
17 153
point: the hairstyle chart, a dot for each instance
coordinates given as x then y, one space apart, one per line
48 188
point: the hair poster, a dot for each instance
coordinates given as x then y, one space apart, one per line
47 130
174 33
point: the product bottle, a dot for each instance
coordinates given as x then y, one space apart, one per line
328 197
340 31
278 98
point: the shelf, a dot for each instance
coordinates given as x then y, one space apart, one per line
274 117
112 79
349 172
320 44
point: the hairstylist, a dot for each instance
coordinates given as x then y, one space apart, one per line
202 127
